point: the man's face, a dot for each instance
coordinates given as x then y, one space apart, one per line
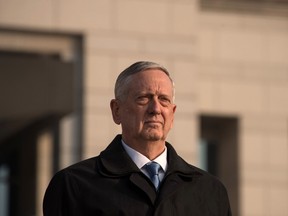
147 113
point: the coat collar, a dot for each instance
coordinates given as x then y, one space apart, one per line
114 163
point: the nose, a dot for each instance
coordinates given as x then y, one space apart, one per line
154 106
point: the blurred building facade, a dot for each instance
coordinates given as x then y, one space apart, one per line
229 59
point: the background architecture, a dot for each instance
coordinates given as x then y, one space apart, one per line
229 58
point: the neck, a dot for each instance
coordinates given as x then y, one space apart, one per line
151 149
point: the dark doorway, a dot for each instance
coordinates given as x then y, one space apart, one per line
18 156
36 91
219 152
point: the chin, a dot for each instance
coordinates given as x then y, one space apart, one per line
152 134
153 137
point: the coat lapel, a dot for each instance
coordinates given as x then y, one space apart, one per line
115 163
144 185
177 174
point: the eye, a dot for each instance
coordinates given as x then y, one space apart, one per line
164 100
144 99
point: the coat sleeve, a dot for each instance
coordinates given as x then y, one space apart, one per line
60 198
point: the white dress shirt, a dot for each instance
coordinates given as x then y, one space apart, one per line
140 160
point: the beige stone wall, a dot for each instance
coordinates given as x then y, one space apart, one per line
243 71
222 63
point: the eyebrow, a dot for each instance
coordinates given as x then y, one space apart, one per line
136 94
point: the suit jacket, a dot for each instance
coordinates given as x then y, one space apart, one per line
111 184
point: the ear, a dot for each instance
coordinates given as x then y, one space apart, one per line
173 110
115 109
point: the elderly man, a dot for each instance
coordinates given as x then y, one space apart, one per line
139 173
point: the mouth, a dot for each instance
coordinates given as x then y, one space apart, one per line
153 122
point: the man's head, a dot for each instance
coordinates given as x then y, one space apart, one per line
121 90
144 102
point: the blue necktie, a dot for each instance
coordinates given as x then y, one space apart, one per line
153 171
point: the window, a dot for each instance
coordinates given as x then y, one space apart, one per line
4 189
218 152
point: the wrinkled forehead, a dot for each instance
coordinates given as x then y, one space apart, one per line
135 79
151 80
151 75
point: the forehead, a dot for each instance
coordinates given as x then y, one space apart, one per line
151 80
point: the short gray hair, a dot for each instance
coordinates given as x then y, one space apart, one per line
123 79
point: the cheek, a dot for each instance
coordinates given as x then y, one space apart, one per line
133 116
169 118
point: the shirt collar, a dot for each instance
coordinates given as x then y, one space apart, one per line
140 160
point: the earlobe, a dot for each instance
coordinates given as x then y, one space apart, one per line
114 106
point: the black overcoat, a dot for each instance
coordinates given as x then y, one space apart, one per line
111 184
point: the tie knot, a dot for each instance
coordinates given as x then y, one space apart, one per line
152 168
